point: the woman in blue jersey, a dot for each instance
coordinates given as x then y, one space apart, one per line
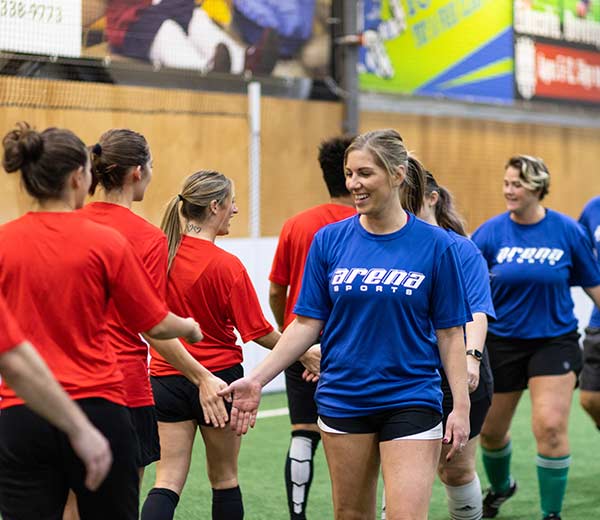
459 475
386 290
589 395
534 256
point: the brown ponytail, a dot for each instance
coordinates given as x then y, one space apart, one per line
413 187
198 191
117 151
45 159
445 213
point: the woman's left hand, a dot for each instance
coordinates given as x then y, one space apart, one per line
457 431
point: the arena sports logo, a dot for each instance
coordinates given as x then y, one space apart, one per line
529 255
375 279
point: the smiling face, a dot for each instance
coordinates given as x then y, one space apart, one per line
373 189
225 212
518 198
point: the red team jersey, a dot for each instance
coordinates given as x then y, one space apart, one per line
58 273
294 242
213 287
150 245
10 333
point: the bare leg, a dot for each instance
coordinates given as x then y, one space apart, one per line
408 473
353 462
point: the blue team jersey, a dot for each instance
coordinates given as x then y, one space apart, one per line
590 220
476 276
381 297
532 268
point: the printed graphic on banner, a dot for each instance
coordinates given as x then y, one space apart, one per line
261 37
51 27
557 50
451 48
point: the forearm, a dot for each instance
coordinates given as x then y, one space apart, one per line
172 326
476 331
179 357
269 340
594 294
452 352
27 374
295 341
277 301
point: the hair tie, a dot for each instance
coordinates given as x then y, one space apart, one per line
180 197
97 149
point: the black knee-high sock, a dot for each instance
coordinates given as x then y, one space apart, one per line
227 504
160 504
299 470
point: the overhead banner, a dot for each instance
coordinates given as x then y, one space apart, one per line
447 48
556 50
51 27
284 38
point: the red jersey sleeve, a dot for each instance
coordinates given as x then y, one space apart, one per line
280 270
10 333
134 294
244 310
156 261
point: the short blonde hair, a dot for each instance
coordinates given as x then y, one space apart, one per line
533 173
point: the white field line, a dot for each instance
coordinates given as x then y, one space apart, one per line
276 412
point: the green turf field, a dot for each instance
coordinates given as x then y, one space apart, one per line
264 449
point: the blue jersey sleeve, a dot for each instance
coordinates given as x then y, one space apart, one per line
479 238
477 280
449 303
585 271
314 300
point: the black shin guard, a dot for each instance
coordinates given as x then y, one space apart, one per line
227 504
160 504
299 470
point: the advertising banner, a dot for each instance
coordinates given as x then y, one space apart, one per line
258 37
451 48
557 54
51 27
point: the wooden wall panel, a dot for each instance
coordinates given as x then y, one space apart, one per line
291 176
186 131
468 157
191 130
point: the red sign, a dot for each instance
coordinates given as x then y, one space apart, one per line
566 73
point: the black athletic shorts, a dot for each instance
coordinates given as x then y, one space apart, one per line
390 425
590 375
300 396
146 429
481 398
38 466
514 361
176 397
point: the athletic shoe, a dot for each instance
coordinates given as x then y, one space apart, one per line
552 516
493 500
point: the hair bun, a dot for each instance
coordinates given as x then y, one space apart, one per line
21 146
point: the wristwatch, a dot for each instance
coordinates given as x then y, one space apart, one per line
475 353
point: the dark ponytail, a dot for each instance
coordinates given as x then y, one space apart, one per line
45 159
117 151
445 213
